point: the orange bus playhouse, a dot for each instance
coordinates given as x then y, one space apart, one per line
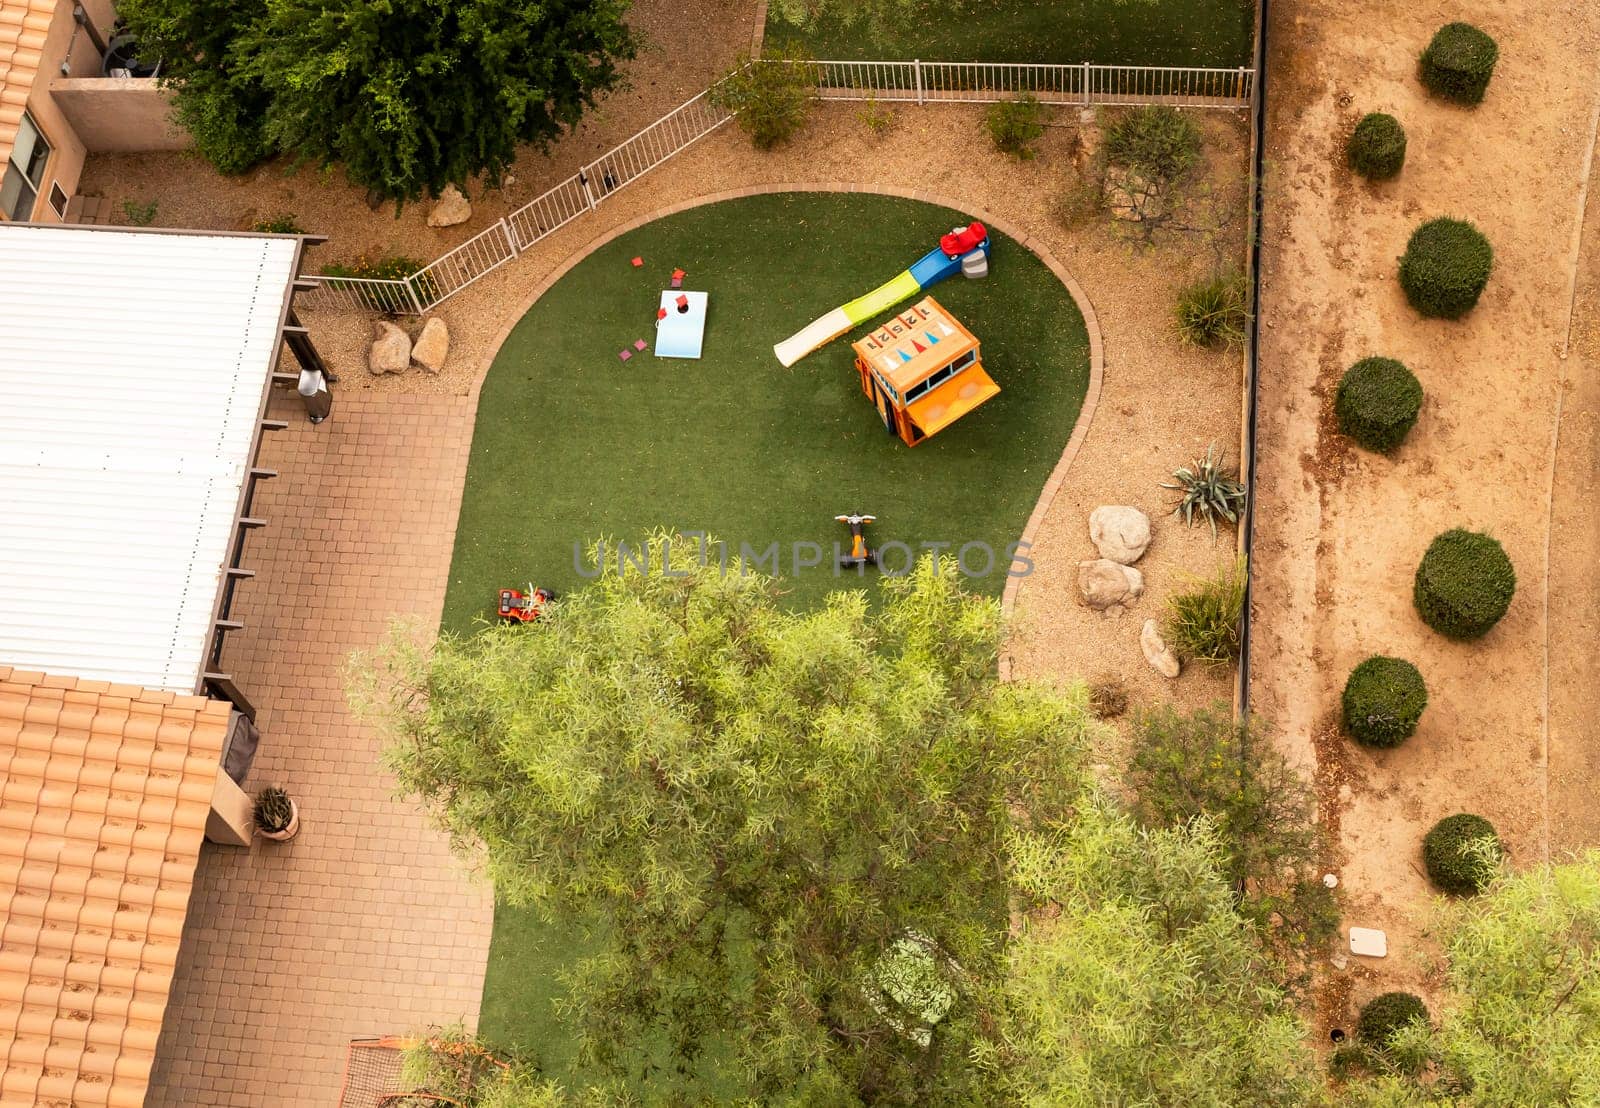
921 371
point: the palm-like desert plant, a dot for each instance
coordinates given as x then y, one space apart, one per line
1209 491
274 812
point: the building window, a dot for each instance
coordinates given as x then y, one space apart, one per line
58 199
19 188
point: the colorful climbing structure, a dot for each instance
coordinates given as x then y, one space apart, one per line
922 371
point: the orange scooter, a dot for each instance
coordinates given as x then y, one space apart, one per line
517 606
860 553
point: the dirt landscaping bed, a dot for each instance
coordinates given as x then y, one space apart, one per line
1340 531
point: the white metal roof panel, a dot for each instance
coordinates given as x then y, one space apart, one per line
131 372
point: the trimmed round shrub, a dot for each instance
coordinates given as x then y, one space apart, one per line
1446 264
1377 147
1383 1015
1455 854
1464 584
1458 63
1377 403
1383 700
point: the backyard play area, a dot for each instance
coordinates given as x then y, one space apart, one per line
575 443
1234 360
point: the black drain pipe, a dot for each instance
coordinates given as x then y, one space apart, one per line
1258 135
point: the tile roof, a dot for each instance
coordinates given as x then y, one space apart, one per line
23 24
104 793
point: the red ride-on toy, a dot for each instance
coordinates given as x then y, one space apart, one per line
524 607
860 553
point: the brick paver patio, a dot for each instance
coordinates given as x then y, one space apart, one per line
365 923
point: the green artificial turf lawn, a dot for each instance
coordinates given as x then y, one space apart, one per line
1063 32
572 443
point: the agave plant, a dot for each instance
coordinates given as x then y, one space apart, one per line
1209 491
273 810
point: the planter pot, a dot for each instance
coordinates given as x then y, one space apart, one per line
288 832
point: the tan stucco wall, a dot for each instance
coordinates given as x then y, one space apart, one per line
67 150
118 115
83 112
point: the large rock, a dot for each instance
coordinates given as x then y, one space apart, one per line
1156 650
1119 532
391 350
433 345
1109 586
451 208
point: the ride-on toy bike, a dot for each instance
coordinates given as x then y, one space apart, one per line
860 553
517 606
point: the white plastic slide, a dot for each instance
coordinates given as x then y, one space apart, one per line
818 332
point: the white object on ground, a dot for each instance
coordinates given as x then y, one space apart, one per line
819 332
1369 942
681 334
1331 880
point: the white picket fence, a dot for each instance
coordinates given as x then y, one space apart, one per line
916 82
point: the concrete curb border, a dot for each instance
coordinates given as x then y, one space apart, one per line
1091 323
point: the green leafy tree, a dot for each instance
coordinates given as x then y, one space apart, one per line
1133 981
1520 1022
1206 764
407 95
772 95
762 806
218 103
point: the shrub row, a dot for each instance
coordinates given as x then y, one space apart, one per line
1462 853
1377 147
1445 268
1464 584
1465 581
1383 701
1458 63
1377 403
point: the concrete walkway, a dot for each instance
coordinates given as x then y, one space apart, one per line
365 923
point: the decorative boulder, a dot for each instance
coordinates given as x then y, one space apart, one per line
391 350
433 345
1156 650
451 208
1108 585
1119 533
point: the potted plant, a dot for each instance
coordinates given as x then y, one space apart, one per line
277 816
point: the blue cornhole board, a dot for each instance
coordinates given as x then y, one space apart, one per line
681 334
